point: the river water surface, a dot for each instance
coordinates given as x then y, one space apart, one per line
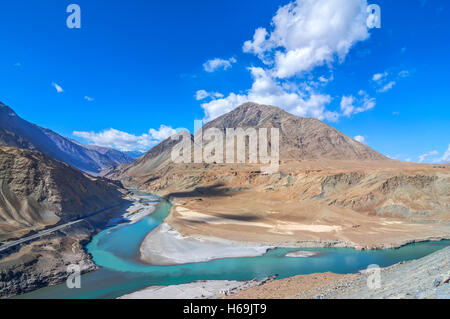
116 250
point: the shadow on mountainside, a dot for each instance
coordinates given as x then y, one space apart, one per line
215 190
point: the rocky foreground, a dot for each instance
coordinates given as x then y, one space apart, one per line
428 277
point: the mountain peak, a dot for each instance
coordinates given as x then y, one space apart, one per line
300 138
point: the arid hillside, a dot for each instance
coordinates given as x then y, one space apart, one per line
37 191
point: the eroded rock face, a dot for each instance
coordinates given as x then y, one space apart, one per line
45 262
37 191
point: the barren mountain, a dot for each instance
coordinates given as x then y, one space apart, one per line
300 139
14 131
37 191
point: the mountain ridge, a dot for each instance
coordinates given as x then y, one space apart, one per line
17 132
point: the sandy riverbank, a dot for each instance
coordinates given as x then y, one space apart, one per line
140 208
210 289
165 246
196 235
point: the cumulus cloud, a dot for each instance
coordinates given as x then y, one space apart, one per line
162 133
304 34
88 98
360 139
217 63
310 33
125 141
267 90
259 45
57 87
217 107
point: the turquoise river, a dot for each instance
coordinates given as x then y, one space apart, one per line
116 249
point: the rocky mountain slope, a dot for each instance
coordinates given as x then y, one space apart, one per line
37 191
300 139
14 131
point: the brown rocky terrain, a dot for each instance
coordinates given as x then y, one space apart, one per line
37 193
330 190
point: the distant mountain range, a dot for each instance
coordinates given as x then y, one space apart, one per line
16 132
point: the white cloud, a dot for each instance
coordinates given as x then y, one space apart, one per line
304 34
259 44
387 87
379 76
360 139
351 105
386 81
347 106
202 94
424 156
266 90
125 141
163 132
58 88
217 63
310 33
216 108
88 98
445 159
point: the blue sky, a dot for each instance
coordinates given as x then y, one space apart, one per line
136 65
